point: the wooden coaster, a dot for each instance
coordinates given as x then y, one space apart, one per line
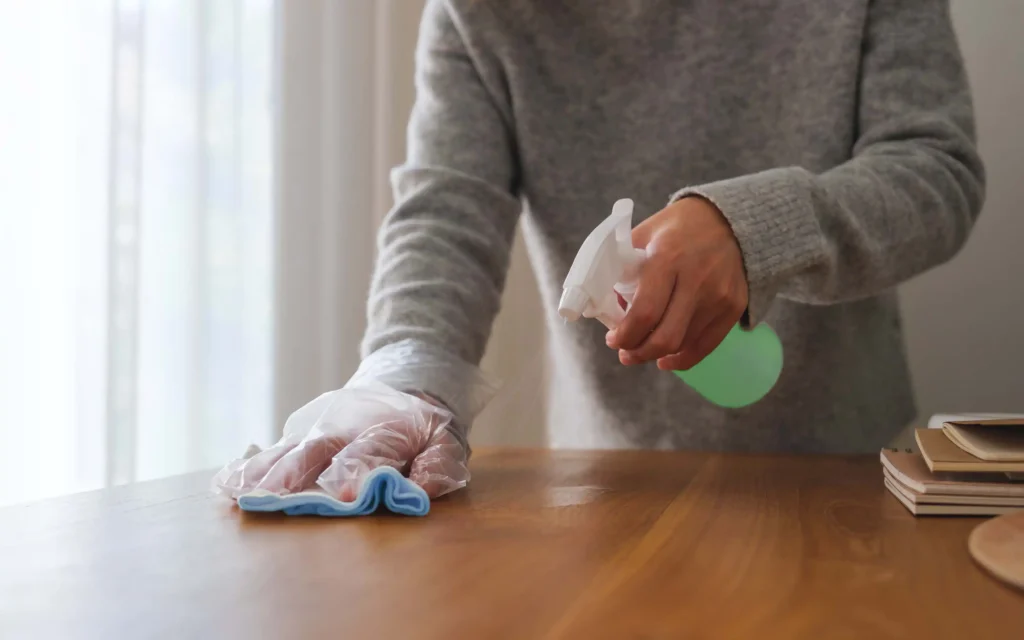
998 545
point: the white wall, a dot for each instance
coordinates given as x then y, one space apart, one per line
964 321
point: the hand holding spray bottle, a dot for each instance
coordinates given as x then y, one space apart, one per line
739 372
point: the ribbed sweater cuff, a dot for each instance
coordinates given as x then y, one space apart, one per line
773 219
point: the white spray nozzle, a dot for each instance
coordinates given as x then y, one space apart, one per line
605 267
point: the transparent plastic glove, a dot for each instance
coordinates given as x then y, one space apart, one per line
428 449
334 441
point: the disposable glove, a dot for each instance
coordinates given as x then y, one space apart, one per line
334 441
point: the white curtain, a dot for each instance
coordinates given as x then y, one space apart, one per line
136 246
346 90
189 197
331 188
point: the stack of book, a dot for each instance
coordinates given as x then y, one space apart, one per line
967 465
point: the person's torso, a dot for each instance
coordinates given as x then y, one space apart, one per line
639 98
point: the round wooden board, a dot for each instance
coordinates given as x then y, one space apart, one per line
998 545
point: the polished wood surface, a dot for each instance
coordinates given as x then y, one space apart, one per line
998 545
543 545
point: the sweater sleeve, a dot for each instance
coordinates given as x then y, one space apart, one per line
444 248
903 203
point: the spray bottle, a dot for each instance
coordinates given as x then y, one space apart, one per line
739 372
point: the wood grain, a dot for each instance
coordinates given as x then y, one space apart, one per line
543 545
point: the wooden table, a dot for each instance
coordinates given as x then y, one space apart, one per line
543 545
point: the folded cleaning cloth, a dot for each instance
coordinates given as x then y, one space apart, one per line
384 484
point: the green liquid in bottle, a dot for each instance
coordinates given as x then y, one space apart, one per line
741 371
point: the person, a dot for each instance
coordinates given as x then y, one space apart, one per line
792 163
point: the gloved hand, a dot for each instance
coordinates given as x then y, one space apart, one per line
334 441
350 433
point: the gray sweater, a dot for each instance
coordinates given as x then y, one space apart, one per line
837 138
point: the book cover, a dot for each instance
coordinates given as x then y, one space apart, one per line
945 509
941 454
910 470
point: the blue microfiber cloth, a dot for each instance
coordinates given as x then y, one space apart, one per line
384 484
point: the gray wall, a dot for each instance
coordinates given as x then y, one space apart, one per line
964 321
